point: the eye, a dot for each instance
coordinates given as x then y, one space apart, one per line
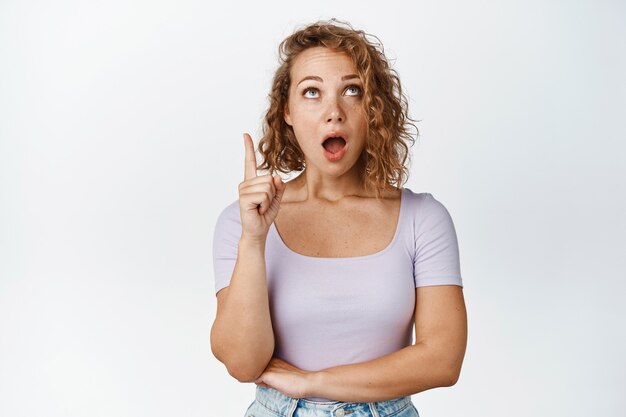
353 90
310 93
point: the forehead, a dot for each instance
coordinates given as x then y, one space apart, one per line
317 60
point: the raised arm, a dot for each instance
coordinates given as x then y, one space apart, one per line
242 337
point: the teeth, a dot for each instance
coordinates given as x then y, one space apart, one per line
334 137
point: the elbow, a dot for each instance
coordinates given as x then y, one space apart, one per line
243 366
243 371
243 374
450 376
450 367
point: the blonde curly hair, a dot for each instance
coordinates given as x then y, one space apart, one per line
386 150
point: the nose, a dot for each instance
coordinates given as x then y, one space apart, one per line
334 116
334 112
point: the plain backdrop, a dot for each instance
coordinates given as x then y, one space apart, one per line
121 141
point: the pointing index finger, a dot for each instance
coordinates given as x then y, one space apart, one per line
250 161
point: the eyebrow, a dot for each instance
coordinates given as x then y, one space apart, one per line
316 78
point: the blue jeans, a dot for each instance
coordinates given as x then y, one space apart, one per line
272 403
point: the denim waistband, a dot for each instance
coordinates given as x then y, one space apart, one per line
283 405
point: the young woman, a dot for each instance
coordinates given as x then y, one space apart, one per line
320 280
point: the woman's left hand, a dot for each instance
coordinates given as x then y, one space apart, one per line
286 378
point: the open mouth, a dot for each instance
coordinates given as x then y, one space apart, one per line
334 144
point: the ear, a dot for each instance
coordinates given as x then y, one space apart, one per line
286 115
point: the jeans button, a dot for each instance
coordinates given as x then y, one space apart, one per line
340 413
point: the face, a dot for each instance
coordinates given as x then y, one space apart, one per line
325 100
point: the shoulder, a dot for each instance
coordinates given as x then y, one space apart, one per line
229 219
230 212
428 215
424 204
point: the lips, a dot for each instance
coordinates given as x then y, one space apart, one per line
334 142
335 145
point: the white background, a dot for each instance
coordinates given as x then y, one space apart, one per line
121 140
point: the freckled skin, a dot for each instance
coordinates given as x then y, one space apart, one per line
316 107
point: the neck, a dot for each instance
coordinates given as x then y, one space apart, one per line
314 185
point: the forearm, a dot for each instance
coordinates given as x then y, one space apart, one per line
408 371
243 337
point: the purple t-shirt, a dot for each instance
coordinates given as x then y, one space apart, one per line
338 311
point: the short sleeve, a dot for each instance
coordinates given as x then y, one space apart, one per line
225 245
436 257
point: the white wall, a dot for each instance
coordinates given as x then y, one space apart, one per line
120 142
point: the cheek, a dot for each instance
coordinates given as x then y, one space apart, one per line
357 111
303 121
303 110
361 118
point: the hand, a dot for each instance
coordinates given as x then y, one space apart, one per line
286 378
259 197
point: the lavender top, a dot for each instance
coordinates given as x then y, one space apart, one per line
337 311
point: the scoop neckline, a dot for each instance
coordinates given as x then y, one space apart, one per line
282 243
